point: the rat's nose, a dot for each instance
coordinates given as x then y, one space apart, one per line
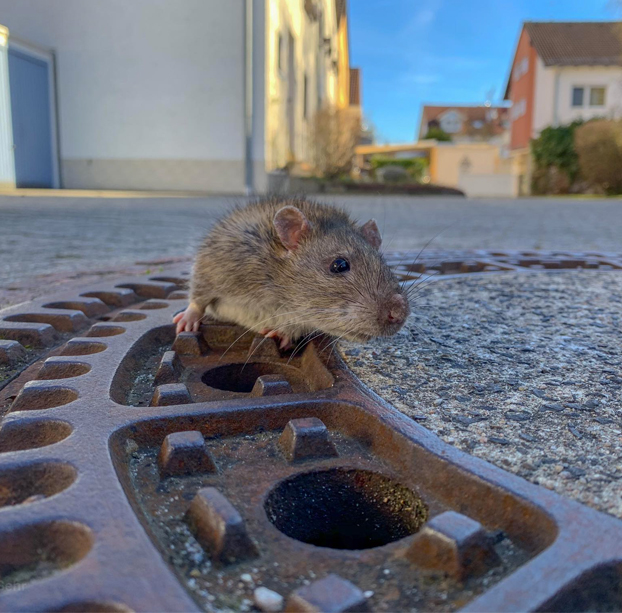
397 309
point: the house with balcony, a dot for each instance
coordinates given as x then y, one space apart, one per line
561 72
199 95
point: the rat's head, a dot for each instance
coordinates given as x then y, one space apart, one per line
335 277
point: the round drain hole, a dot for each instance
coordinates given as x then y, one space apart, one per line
242 377
20 435
345 509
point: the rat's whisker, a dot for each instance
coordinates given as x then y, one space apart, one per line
306 341
249 331
420 284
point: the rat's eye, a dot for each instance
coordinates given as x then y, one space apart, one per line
340 265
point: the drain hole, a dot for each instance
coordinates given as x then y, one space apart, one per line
345 509
153 304
78 346
40 550
241 378
95 607
129 316
17 436
57 369
105 330
37 395
35 482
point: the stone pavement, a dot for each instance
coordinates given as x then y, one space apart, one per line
46 239
523 370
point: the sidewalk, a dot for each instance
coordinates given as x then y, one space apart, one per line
43 236
521 370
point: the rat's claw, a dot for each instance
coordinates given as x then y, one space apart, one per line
178 317
284 341
188 320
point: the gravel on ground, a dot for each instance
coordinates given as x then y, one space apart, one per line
522 370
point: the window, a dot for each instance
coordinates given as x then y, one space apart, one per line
577 96
519 108
522 68
597 96
451 122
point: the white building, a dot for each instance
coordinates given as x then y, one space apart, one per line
561 72
161 94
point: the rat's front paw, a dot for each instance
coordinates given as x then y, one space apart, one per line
188 320
285 342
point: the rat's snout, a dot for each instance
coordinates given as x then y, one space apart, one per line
395 311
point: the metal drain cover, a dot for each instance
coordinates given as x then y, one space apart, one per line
145 472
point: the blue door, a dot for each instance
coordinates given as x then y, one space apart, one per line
29 82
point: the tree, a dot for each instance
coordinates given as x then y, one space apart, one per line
437 134
335 134
555 159
599 152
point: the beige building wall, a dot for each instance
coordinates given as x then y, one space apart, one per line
450 160
301 76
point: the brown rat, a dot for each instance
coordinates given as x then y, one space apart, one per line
289 267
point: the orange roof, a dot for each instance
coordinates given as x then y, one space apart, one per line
492 118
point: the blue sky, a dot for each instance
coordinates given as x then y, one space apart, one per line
442 51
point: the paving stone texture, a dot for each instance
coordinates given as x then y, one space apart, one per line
47 240
523 370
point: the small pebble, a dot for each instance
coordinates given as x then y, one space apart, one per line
267 600
368 594
246 578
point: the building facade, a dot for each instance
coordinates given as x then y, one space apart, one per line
198 95
562 72
467 123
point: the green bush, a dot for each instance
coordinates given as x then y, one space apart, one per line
437 134
415 167
554 154
599 152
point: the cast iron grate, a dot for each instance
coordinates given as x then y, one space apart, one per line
144 472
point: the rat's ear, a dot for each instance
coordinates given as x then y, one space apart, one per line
372 234
291 226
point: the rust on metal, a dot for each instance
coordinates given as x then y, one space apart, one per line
145 472
454 544
306 438
329 594
184 453
219 527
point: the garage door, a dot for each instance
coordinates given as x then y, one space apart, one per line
29 79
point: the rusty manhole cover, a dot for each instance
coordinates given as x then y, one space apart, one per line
143 472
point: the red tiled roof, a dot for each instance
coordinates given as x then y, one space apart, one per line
470 114
577 43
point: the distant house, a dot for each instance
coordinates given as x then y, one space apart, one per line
466 123
184 95
562 71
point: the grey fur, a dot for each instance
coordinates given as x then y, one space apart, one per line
244 274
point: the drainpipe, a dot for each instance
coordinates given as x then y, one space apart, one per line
247 47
